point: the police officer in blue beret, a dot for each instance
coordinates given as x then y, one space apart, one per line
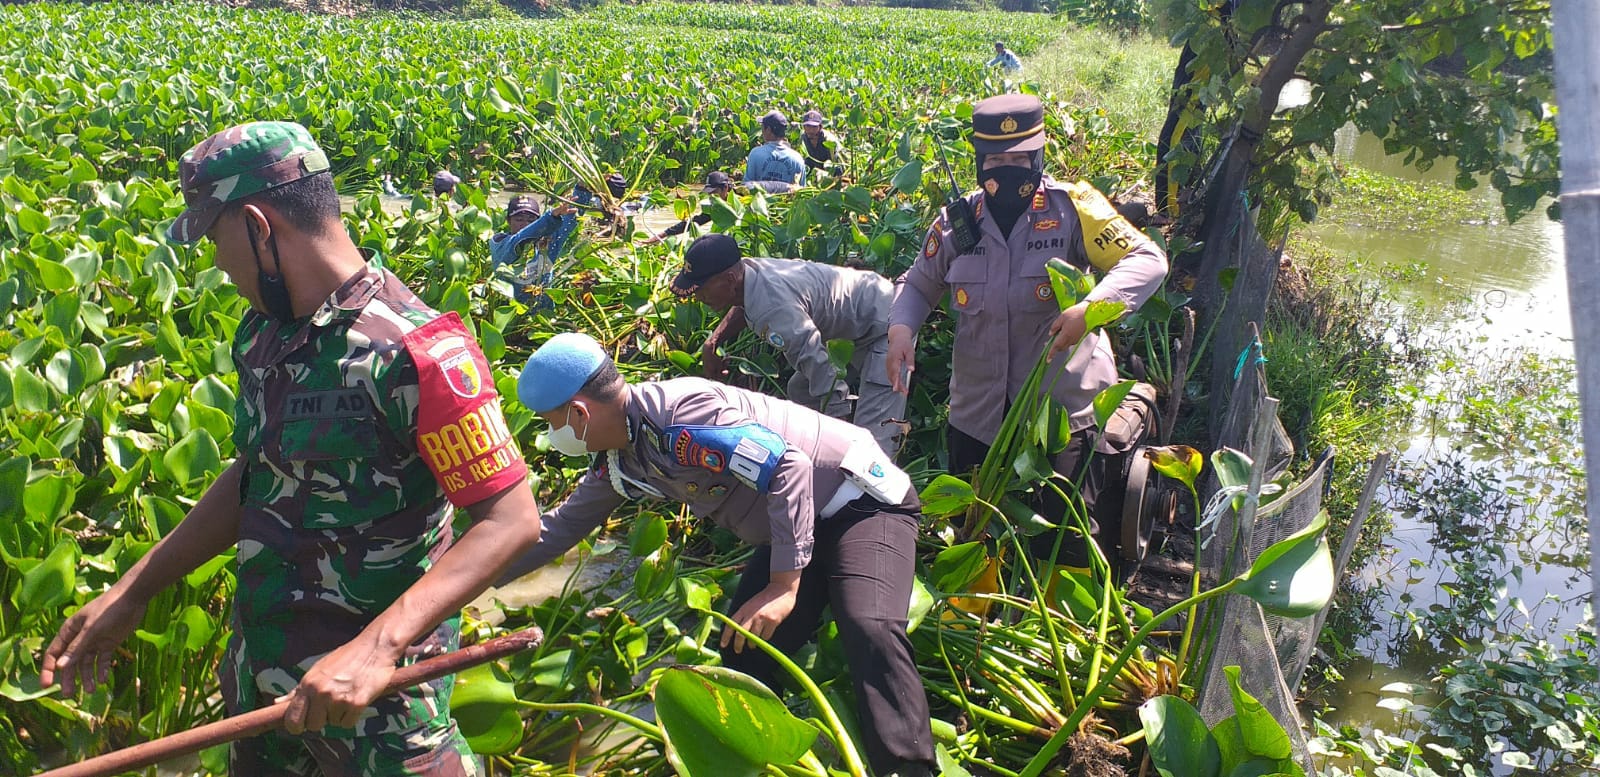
833 520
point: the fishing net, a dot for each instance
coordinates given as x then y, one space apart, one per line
1240 632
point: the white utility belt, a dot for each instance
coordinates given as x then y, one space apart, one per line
868 471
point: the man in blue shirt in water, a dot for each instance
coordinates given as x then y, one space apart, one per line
1009 63
774 162
548 235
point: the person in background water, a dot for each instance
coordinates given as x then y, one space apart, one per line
341 499
833 520
798 307
1007 61
547 235
718 184
444 183
821 146
773 165
615 210
1006 311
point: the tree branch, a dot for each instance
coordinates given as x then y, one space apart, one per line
1276 155
1526 11
1302 39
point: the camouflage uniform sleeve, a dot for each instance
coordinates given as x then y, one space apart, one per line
920 287
397 398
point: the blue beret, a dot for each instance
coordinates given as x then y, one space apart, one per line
557 370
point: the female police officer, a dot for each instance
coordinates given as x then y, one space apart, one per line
1002 298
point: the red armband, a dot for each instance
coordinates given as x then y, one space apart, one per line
461 430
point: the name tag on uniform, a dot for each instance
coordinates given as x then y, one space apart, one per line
331 403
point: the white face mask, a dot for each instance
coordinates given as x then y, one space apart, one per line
567 441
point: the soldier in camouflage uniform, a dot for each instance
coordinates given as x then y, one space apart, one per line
363 416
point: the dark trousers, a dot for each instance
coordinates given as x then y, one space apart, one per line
862 563
1097 477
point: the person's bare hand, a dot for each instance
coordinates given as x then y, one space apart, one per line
902 359
81 653
761 615
338 688
712 365
1067 329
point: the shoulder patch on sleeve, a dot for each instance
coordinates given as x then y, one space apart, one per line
930 247
1107 236
749 452
461 431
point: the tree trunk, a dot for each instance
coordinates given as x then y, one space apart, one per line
1228 231
1237 157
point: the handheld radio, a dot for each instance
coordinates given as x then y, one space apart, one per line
963 226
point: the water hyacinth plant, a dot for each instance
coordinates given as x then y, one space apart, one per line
116 386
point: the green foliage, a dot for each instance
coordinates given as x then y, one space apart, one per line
958 565
720 722
1180 743
116 383
1179 462
1523 704
484 705
1460 80
1118 15
1251 742
1383 202
1294 577
1248 742
1340 349
1491 479
1507 490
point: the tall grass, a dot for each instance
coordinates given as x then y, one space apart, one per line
1126 75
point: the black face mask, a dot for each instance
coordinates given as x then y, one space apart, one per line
274 294
1009 189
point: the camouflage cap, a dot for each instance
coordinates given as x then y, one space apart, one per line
236 163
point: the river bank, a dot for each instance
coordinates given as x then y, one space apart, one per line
1464 621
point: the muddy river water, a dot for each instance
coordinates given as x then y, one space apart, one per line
1482 291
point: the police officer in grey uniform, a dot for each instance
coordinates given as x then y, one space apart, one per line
833 520
798 306
1005 309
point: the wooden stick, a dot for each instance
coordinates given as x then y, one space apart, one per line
266 719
